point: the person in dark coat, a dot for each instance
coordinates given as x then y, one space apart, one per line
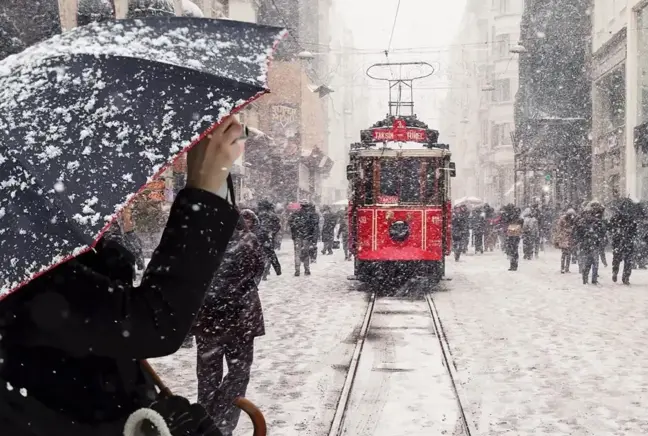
312 229
513 224
230 319
623 231
328 229
299 229
478 224
590 237
343 233
460 230
269 229
73 338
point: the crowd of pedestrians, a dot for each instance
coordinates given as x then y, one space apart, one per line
582 234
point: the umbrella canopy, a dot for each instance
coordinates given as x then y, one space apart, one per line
87 118
469 201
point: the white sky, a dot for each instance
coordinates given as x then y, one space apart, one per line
424 30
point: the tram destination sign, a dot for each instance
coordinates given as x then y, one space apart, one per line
399 132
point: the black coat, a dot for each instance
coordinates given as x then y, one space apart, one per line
269 227
623 231
590 232
328 229
232 308
72 338
304 224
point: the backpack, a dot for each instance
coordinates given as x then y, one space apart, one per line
514 230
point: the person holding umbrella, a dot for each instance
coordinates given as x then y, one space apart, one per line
72 337
75 331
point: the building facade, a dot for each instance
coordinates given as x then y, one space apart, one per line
479 111
553 105
291 161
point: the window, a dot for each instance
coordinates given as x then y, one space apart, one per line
502 92
502 44
389 176
642 29
367 177
495 135
505 130
435 182
484 132
410 191
504 6
400 179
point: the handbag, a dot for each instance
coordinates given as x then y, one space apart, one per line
173 415
336 244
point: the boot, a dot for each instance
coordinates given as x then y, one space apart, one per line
297 273
307 271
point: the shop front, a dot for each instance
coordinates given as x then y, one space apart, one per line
609 119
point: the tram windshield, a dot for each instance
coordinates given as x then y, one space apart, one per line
407 181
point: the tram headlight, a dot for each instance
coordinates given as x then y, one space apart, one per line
399 231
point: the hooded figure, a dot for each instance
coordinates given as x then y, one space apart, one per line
230 319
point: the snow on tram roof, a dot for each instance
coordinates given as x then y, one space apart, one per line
414 149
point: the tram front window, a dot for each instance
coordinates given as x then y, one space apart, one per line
389 178
410 181
400 181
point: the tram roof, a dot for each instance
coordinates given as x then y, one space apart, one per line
397 152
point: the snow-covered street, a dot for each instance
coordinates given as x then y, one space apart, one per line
536 352
539 353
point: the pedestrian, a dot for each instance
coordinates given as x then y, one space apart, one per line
328 229
530 234
343 234
589 234
623 231
479 229
564 238
269 229
73 338
313 230
514 223
230 319
298 222
460 230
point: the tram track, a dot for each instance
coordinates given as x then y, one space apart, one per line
341 425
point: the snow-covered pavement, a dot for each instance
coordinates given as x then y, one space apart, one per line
539 353
302 361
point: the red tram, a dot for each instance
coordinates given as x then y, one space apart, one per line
400 208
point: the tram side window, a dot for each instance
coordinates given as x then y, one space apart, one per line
389 177
410 181
368 182
434 183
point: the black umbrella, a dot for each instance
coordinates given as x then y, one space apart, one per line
87 118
